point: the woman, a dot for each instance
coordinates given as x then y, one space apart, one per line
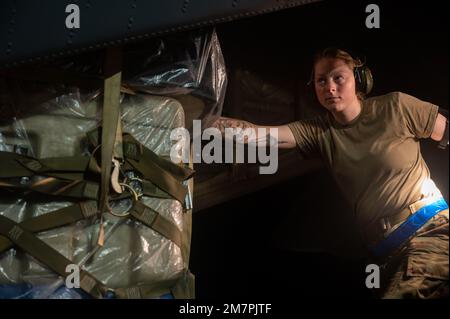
371 147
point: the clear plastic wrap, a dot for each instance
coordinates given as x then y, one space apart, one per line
133 253
188 67
187 64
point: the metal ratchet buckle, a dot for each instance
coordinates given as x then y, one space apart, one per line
126 212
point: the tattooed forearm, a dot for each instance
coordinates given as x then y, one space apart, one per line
224 122
245 132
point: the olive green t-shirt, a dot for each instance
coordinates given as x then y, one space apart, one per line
375 159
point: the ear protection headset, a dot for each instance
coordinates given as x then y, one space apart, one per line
363 76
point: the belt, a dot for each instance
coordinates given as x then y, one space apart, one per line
386 225
420 211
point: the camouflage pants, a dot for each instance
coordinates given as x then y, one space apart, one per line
420 268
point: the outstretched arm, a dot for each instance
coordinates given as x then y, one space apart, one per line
285 137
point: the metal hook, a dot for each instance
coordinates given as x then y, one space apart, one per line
127 211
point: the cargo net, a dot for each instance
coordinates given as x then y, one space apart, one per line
49 184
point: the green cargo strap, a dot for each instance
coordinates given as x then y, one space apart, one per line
155 221
159 177
67 176
151 190
47 255
11 167
185 286
53 219
161 172
145 291
73 167
16 165
75 189
110 118
181 288
133 149
57 187
118 147
136 151
58 164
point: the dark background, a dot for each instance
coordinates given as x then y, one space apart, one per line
295 238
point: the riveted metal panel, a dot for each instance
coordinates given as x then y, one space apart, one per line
35 30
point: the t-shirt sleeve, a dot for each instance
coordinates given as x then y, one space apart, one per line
419 116
306 134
